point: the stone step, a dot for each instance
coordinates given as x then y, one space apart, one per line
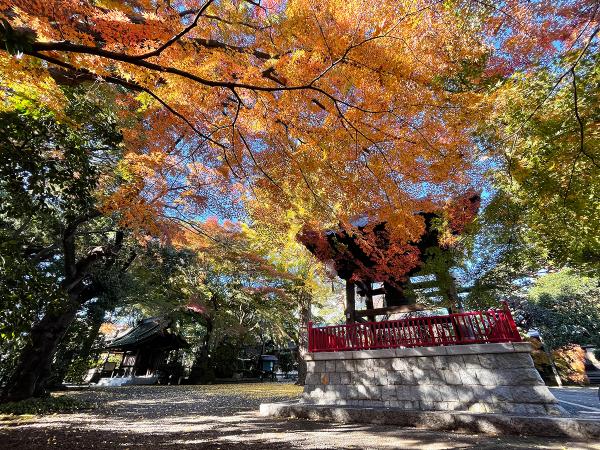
491 424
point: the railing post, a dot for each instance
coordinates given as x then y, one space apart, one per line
311 340
431 338
511 322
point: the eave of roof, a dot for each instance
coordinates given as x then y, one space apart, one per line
145 332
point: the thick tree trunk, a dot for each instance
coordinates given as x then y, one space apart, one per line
35 361
305 317
83 352
33 370
202 370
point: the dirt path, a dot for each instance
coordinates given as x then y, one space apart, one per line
222 417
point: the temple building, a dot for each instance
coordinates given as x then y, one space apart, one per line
374 264
143 352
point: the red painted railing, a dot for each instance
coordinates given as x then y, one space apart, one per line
477 327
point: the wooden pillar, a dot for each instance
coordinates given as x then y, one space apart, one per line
369 302
350 301
366 291
305 320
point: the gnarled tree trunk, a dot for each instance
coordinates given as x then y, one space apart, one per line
33 370
35 362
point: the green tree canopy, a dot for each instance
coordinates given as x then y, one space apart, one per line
565 307
546 128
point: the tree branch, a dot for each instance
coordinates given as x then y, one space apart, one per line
75 74
178 36
44 253
560 79
258 166
580 121
68 241
210 43
95 254
581 150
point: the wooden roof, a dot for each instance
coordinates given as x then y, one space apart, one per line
150 332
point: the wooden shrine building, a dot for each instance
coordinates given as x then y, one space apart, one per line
145 348
368 276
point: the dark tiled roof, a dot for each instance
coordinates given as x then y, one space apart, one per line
149 332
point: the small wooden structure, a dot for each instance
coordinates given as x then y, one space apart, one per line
350 258
145 348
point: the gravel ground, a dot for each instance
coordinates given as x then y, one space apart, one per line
223 417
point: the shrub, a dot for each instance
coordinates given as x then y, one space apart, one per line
570 363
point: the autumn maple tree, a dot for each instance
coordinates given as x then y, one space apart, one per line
285 112
353 108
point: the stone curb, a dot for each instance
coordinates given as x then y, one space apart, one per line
491 424
469 349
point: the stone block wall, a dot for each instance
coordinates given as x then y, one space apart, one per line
486 378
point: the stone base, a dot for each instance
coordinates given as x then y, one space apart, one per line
481 378
491 424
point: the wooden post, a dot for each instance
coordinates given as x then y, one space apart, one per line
350 301
368 291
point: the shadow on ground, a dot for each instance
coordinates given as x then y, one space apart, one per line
201 418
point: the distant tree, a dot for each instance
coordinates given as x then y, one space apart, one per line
498 260
565 308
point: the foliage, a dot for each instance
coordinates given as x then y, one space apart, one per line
364 250
225 292
24 292
498 260
385 260
51 166
549 152
570 363
322 109
564 283
564 307
48 405
50 169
